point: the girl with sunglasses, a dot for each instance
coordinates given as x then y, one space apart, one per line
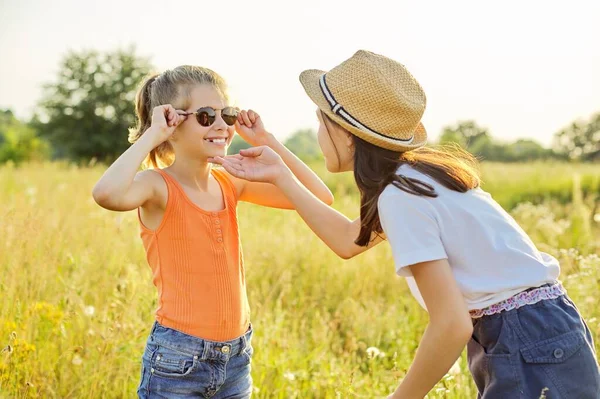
200 343
478 274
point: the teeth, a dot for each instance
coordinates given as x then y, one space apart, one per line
219 141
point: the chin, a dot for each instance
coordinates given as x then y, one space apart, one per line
217 152
332 168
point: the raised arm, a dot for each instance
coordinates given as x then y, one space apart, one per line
261 164
122 187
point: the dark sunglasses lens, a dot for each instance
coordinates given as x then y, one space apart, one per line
229 115
206 116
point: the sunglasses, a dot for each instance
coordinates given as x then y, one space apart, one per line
206 115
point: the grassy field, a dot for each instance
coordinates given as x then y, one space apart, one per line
77 300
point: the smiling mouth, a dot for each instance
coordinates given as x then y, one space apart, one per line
217 141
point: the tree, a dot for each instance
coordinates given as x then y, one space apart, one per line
467 134
479 142
304 144
472 138
18 141
528 150
580 140
87 111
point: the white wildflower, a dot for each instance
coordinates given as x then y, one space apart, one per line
289 376
373 352
77 360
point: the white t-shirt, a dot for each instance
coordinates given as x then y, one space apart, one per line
491 257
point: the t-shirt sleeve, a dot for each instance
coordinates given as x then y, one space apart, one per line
411 228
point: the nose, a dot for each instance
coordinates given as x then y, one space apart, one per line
220 123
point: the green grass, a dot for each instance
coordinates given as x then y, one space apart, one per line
77 299
512 183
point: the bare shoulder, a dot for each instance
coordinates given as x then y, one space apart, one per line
150 177
239 184
152 180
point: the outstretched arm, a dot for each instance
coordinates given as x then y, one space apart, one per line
262 164
251 128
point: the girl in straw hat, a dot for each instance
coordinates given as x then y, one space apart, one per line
481 278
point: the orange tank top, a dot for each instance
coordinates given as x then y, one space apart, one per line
197 265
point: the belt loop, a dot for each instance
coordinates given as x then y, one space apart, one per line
153 328
244 344
206 348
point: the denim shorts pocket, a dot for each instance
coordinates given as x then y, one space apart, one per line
167 362
494 374
568 362
554 350
503 377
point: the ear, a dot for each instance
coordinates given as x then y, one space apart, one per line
349 140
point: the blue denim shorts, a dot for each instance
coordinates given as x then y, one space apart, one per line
545 348
178 365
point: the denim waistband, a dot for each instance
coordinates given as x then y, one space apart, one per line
197 347
527 297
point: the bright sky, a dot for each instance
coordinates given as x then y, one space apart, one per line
520 68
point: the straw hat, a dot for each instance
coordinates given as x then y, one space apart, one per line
373 97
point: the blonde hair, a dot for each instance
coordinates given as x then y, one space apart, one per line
167 88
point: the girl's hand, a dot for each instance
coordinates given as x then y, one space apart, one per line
260 164
165 120
251 128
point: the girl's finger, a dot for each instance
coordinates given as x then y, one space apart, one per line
234 163
182 118
251 152
253 116
227 162
246 119
170 116
234 156
235 172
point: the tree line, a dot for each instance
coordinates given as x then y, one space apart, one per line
86 111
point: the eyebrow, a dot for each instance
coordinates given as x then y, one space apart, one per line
215 108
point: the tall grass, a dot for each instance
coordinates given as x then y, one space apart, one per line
77 300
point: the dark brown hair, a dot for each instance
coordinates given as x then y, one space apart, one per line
375 168
167 88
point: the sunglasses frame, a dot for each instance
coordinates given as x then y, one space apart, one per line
213 118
